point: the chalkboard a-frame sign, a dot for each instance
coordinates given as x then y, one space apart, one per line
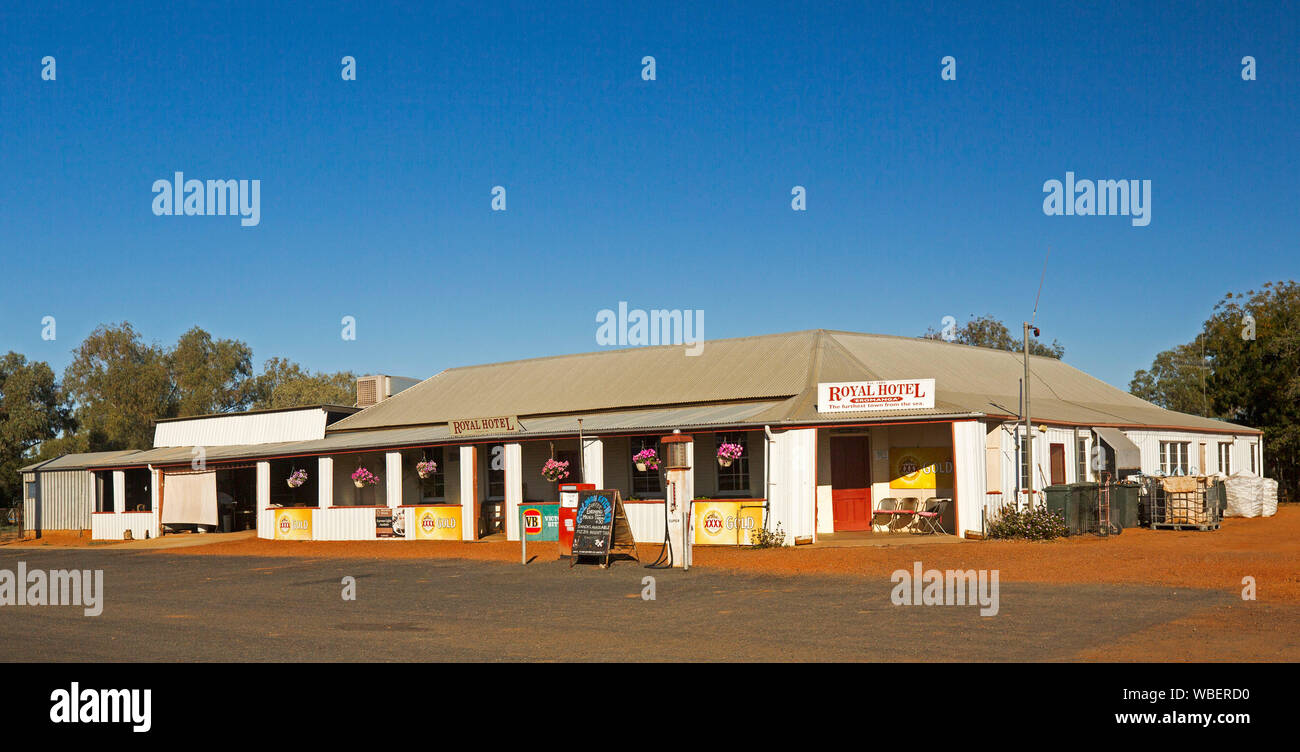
601 528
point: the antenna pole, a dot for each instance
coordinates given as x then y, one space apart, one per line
1029 429
1040 285
582 454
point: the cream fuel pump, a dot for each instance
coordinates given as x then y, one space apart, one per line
678 493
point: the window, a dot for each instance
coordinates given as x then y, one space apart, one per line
105 493
138 495
1254 459
496 474
434 486
735 478
306 495
31 490
644 482
1080 459
1173 457
1225 458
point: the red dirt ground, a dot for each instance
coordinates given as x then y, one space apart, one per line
1267 549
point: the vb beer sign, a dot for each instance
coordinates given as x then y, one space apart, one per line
540 522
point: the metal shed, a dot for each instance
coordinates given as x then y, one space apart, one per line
59 494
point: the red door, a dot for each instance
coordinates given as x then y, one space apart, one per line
851 482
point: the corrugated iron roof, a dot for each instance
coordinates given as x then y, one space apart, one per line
968 380
655 419
748 368
980 379
749 381
324 406
75 461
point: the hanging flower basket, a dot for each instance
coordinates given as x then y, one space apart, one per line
363 477
426 468
646 459
729 453
297 478
554 471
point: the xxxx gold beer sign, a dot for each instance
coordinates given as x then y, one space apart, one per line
864 396
920 467
487 425
293 523
726 523
437 523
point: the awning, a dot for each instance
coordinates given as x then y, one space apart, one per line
1127 454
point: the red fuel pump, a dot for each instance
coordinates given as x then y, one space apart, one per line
569 513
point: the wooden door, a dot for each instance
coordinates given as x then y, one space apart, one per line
851 482
1057 452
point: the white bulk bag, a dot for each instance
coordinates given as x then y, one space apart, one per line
1268 497
1243 496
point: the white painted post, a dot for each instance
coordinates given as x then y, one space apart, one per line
593 461
325 482
514 489
468 493
155 500
119 491
393 478
263 488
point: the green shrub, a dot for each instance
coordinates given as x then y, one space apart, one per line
1031 524
764 538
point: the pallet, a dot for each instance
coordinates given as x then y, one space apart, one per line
1184 526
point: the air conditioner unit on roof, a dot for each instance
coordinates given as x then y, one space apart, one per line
371 390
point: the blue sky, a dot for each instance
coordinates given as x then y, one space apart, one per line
924 196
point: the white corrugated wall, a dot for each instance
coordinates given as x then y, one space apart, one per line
228 430
64 500
1149 444
343 523
647 521
113 526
